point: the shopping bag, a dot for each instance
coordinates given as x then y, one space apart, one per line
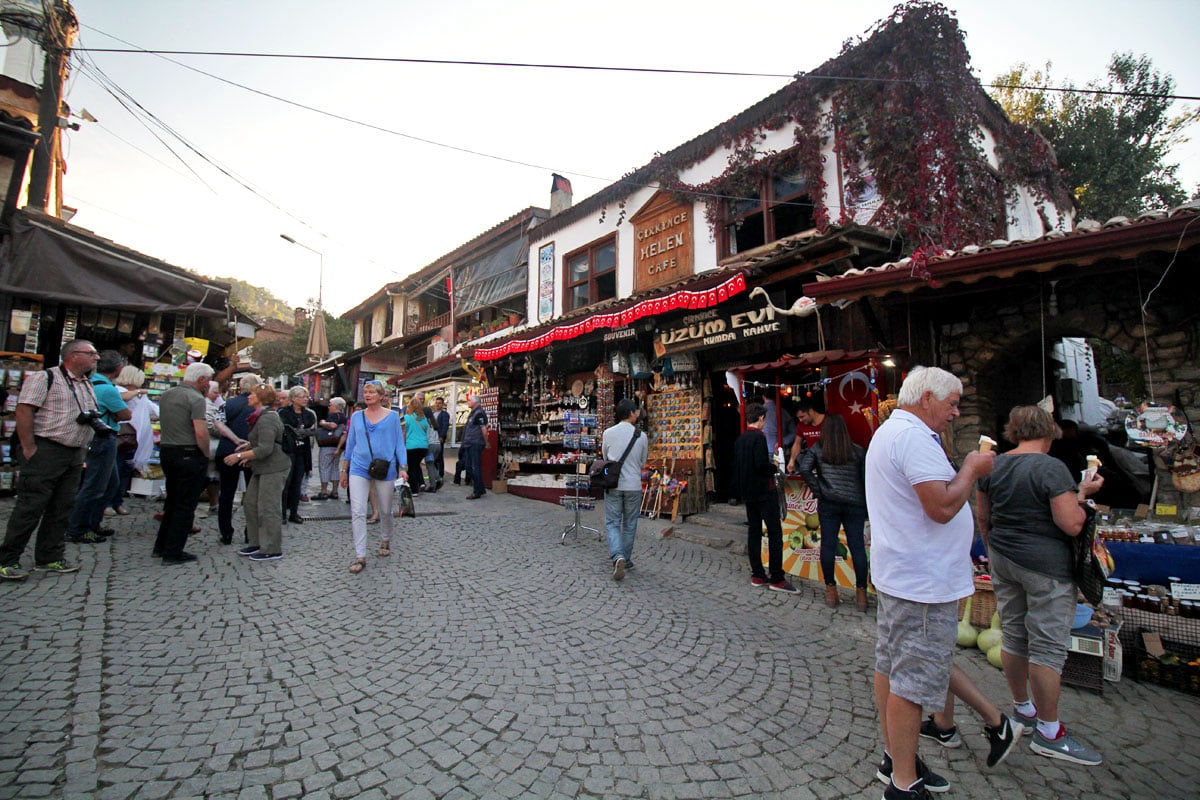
1090 567
404 499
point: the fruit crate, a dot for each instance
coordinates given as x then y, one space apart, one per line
983 604
1181 675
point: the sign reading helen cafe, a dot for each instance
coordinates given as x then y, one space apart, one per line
663 247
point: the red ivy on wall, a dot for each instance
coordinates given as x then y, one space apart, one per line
914 129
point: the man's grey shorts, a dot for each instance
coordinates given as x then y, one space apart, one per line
914 648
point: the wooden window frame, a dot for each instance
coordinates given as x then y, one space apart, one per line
591 249
766 203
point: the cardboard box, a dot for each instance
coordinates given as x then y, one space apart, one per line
145 488
499 486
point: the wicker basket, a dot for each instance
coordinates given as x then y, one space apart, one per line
982 606
1186 482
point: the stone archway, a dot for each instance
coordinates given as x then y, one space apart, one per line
982 349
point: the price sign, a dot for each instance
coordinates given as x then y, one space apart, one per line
1185 591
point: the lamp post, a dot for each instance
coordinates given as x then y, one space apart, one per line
320 274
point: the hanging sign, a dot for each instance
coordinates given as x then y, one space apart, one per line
546 282
715 327
663 245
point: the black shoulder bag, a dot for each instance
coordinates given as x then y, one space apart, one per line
606 474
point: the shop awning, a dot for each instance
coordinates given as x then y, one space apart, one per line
448 366
46 259
817 358
703 291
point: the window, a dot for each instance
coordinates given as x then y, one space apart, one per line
591 274
781 208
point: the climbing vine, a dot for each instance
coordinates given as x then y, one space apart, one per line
900 107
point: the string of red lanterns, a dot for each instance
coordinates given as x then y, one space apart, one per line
676 301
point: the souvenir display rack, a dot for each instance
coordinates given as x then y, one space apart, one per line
577 500
678 432
14 368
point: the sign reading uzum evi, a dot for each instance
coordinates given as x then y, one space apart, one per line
663 246
716 326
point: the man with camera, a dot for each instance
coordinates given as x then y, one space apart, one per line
54 429
183 449
100 474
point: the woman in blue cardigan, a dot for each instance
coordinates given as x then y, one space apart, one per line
372 433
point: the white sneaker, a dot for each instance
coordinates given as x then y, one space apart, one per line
110 512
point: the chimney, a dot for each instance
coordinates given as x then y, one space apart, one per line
299 315
560 194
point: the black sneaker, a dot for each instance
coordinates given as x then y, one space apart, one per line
266 556
248 550
619 569
918 791
87 537
180 558
784 586
931 780
947 737
1002 740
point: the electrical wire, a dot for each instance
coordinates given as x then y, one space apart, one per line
641 70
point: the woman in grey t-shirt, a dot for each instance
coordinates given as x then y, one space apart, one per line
1028 509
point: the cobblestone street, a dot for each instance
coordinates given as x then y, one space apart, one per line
483 659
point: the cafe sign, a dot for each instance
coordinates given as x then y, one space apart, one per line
716 327
664 242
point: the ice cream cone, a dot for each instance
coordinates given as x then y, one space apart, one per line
986 444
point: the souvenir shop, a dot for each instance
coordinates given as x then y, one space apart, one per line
858 385
556 393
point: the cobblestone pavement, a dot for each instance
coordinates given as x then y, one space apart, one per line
483 659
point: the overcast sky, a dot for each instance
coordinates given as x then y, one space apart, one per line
464 147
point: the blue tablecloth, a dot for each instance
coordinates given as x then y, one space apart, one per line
1154 563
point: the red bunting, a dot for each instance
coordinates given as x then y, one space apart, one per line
681 299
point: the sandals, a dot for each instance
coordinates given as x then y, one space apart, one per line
385 549
373 520
358 565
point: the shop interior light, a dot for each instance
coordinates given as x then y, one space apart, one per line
888 361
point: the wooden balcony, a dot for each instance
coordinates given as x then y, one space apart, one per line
435 323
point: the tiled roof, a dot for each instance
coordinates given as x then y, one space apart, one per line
1085 244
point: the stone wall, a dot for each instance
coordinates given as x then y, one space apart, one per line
977 335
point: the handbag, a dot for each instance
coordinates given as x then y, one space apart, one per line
1090 560
606 474
127 438
408 508
378 468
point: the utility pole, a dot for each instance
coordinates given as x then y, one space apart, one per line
45 155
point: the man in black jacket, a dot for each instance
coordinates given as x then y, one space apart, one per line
754 477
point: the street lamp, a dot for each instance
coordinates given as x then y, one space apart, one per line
320 274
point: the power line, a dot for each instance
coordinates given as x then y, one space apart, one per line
641 70
432 142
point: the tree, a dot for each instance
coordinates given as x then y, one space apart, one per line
287 356
1111 140
256 301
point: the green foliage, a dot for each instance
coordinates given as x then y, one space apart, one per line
1112 141
256 301
287 356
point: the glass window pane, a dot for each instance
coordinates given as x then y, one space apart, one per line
784 186
606 286
577 268
579 296
606 257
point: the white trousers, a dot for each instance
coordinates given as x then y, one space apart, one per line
384 492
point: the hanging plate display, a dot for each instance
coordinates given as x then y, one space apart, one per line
1155 426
